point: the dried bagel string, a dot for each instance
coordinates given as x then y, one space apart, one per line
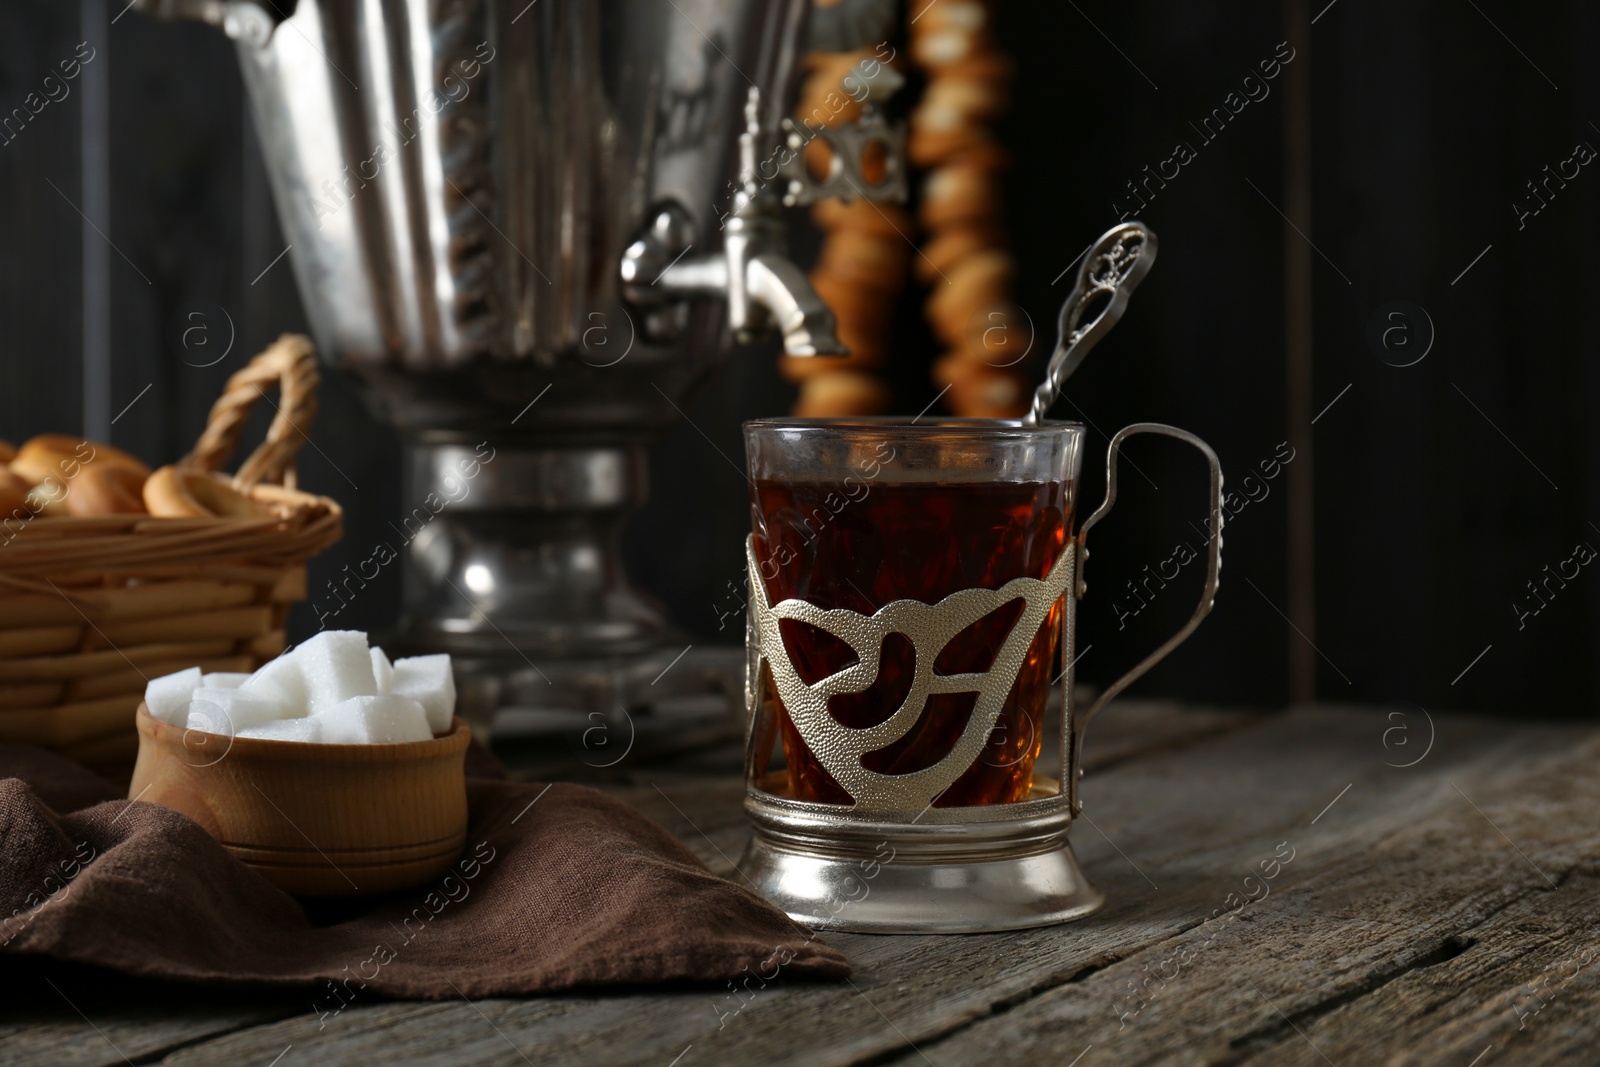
861 268
964 259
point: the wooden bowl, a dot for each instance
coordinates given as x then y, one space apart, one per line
315 820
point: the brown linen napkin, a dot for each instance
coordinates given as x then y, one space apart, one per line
559 886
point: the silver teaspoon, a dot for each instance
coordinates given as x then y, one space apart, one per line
1114 267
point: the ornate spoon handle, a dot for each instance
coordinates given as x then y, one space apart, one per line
1114 266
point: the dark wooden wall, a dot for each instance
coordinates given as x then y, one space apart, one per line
1441 488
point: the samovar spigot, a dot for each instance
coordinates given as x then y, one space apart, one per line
762 286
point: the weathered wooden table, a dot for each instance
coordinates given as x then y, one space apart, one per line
1331 886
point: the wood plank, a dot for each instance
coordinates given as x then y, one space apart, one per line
448 1033
1523 983
1259 787
451 1034
1400 898
1405 939
950 981
60 1037
707 814
1135 729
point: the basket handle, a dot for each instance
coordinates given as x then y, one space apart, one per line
291 362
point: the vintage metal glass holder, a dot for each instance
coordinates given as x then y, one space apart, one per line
891 862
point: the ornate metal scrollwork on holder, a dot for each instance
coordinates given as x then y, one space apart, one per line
929 627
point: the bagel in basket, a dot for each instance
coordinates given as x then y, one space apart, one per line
69 475
191 493
64 456
106 489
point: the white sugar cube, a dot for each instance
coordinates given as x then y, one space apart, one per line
307 729
167 697
227 711
428 681
374 720
281 677
223 680
336 667
382 670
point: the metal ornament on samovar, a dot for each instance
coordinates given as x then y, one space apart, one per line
512 223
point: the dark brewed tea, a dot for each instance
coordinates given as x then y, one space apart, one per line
820 542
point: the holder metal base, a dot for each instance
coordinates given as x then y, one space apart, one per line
950 872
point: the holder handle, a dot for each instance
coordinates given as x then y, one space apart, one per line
291 362
1213 561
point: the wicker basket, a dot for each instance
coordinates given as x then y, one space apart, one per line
91 608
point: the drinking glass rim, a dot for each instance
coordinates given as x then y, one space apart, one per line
962 426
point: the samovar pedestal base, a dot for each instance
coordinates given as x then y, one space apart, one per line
609 687
883 877
601 712
514 568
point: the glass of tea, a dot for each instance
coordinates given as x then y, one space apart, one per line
858 513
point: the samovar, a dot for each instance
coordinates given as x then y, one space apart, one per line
529 228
